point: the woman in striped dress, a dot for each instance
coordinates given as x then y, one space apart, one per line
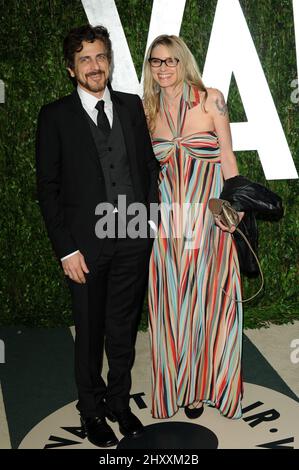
195 328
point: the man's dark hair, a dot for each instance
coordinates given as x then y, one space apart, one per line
73 41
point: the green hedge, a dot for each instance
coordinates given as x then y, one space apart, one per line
31 284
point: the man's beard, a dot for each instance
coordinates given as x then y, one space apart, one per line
96 87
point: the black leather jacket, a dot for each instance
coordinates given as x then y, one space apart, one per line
253 199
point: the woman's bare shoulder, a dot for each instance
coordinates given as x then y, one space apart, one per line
215 100
214 94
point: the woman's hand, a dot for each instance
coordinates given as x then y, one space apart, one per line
224 228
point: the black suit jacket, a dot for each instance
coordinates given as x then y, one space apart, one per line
70 180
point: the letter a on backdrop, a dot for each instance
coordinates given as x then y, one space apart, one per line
231 50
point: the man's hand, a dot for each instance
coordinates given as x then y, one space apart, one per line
74 267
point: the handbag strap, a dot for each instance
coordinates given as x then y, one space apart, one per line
260 270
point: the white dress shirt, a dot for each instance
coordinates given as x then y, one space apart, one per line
89 102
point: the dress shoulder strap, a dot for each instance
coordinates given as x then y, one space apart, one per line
190 98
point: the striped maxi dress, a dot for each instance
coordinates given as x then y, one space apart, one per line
195 329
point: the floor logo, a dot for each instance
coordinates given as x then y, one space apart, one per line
269 421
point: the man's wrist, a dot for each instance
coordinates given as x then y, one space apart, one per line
68 256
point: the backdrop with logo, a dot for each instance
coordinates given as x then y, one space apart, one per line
259 80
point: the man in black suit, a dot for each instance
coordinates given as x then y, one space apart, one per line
92 147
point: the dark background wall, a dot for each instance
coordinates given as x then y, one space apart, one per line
32 288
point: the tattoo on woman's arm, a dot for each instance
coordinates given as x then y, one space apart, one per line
221 106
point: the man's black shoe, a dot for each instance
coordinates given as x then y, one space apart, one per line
129 424
98 432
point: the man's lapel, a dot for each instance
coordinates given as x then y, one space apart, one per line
75 106
126 124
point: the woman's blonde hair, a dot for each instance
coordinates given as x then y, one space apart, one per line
188 72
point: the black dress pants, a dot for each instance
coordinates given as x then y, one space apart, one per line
106 313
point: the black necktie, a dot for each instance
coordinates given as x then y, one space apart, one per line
102 119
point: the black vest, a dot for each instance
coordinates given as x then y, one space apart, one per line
114 161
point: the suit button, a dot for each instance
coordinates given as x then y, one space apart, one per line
109 149
113 184
112 166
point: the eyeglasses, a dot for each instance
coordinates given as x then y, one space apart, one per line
170 61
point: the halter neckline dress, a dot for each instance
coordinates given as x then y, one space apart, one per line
195 329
